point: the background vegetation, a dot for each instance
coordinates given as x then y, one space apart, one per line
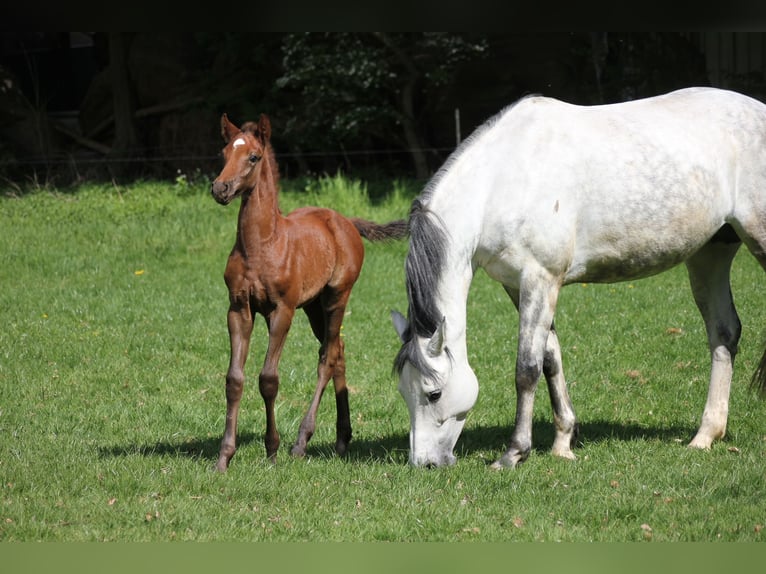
112 363
86 106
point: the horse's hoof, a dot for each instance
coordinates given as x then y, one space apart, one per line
298 452
700 444
223 463
510 459
564 453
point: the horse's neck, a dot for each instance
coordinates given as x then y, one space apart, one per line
452 300
259 215
463 224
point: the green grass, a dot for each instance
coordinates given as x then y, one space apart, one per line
112 360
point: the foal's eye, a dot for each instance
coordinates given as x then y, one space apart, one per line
434 396
254 158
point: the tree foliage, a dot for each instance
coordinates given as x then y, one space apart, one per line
372 103
342 89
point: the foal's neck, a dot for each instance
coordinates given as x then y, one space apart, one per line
259 214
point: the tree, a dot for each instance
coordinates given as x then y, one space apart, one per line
346 87
126 139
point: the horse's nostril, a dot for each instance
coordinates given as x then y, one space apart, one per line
220 192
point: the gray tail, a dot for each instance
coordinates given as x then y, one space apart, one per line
381 231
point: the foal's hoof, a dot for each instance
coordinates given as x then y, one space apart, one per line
223 463
298 451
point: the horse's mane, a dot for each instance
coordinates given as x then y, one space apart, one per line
424 265
423 268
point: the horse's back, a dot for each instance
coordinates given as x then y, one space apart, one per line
328 239
684 123
618 191
320 221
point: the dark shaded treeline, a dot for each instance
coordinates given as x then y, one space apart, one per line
120 106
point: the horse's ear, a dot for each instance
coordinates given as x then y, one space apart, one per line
228 129
264 127
436 343
400 324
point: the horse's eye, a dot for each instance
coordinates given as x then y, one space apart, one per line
434 396
253 158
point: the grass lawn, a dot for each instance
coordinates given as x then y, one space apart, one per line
114 349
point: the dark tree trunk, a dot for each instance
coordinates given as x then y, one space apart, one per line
126 140
412 134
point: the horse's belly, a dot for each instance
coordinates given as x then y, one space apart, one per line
635 256
611 269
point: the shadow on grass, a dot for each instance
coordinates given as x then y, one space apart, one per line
496 438
394 447
201 448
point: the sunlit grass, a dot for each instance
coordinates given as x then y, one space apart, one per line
112 360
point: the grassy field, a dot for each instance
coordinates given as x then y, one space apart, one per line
113 351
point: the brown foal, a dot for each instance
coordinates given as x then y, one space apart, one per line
309 259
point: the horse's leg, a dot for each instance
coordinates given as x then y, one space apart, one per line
537 304
316 317
753 237
278 321
337 368
709 277
331 365
343 421
240 322
564 417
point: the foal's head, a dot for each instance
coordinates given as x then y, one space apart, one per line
244 154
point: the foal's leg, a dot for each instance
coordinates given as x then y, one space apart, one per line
316 317
343 421
240 322
537 304
709 277
279 322
331 365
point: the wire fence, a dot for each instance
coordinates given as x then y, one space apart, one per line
162 163
63 158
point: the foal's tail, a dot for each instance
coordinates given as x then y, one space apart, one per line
381 231
759 377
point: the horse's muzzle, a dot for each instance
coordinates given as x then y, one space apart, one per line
221 192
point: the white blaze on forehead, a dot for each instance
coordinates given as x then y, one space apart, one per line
238 142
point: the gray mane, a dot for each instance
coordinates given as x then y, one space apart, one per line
424 266
425 261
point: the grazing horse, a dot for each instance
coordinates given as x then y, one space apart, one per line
309 259
546 194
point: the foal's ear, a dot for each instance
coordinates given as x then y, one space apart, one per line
228 129
264 127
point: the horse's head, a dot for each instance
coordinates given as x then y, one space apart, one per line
439 388
244 150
